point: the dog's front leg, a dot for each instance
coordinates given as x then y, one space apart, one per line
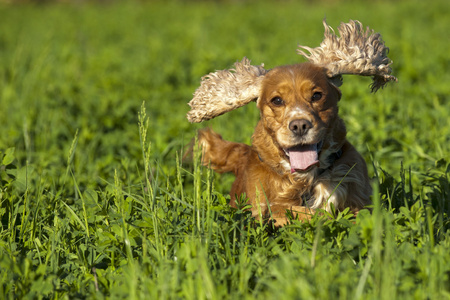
279 214
333 196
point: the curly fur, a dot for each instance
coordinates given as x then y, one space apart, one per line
356 52
225 90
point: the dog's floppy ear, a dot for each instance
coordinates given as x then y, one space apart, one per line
356 51
225 90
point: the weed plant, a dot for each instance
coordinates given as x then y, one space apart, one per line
97 202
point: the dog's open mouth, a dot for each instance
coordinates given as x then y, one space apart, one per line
303 157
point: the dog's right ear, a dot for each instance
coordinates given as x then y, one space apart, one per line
226 90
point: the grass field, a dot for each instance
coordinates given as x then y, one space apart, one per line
96 202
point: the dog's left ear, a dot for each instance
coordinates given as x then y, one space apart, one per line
356 51
225 90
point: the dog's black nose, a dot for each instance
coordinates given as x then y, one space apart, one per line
300 127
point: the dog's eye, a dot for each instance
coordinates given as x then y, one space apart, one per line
316 96
277 101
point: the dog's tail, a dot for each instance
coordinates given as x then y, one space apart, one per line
222 156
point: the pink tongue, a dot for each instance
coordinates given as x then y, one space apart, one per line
303 157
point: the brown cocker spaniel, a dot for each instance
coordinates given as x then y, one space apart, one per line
300 158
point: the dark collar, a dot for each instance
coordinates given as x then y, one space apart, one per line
335 156
331 159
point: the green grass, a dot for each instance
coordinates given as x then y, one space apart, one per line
96 201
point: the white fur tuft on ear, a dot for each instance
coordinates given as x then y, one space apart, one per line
356 51
226 90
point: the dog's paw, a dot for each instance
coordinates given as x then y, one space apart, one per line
281 217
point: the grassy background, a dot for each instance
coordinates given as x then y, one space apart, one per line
95 201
